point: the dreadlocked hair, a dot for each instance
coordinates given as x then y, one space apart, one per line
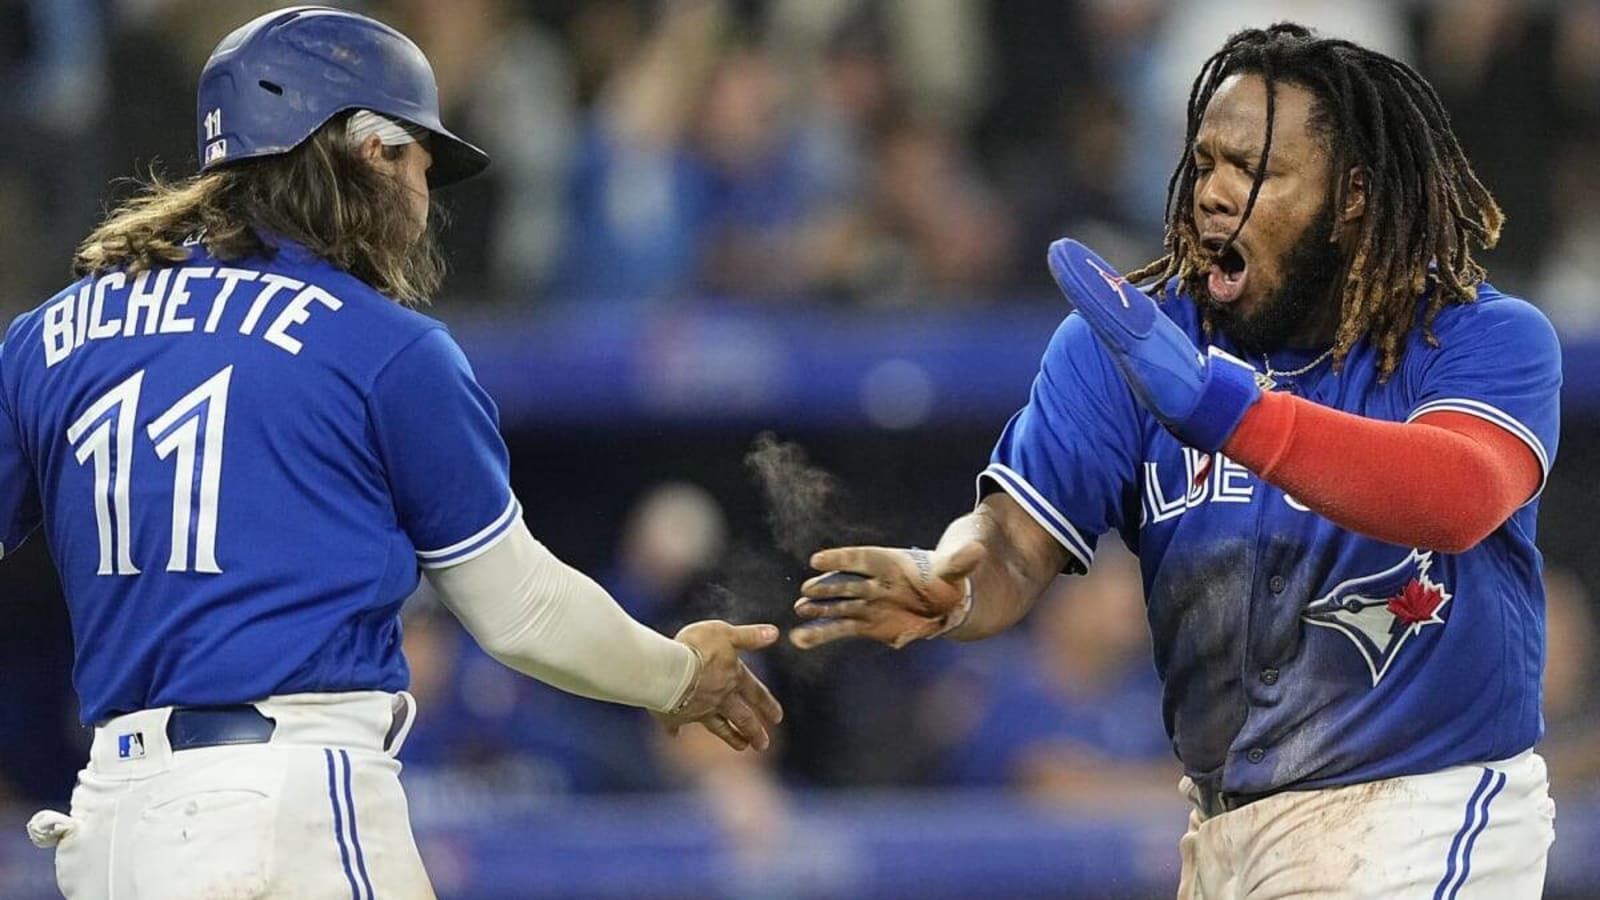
1425 208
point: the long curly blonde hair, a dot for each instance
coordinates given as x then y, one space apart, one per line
320 194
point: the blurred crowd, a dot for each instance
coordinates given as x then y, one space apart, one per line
841 151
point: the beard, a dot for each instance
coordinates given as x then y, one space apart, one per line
1313 266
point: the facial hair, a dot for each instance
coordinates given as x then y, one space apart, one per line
1310 271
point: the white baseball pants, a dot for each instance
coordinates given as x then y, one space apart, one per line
1480 831
315 812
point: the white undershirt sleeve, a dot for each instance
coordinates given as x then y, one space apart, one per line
538 615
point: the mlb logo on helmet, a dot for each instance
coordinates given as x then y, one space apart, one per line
130 746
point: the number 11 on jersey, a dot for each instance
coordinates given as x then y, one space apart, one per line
190 434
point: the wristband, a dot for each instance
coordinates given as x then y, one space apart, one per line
682 705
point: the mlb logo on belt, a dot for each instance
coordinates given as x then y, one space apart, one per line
130 746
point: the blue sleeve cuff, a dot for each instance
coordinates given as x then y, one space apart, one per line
474 546
1042 511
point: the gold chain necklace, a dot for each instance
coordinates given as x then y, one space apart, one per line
1269 379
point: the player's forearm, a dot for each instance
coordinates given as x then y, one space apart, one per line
1014 572
536 614
1443 482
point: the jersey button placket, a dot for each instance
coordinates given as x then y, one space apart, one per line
1269 676
1276 584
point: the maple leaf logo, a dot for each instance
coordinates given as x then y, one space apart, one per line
1416 603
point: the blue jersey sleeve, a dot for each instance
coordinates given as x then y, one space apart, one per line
438 435
20 509
1498 359
1069 456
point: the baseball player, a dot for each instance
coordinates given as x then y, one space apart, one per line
242 447
1325 438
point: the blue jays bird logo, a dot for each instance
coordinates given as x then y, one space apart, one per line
1380 612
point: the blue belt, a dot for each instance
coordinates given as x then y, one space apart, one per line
192 727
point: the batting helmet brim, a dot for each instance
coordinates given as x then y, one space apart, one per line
453 159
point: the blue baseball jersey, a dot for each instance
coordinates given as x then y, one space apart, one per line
239 467
1293 652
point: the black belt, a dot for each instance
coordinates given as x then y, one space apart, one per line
1215 802
193 727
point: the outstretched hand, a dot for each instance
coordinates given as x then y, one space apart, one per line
726 697
892 595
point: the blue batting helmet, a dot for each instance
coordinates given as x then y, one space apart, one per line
274 81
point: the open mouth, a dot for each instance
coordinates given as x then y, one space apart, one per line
1228 271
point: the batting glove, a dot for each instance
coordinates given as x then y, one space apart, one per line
1199 398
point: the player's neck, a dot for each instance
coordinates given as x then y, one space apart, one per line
1318 329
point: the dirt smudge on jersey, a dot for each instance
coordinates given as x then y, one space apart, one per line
1198 615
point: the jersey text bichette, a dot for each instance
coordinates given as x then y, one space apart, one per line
157 303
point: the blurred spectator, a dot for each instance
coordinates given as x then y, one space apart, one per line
601 36
945 233
639 199
760 192
673 536
1057 136
1074 715
1569 275
53 85
1568 283
1571 697
889 93
1477 55
937 53
509 83
691 173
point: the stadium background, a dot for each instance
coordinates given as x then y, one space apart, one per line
822 219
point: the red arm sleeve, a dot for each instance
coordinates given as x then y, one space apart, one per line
1442 482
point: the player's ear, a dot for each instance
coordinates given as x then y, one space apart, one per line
1356 182
370 151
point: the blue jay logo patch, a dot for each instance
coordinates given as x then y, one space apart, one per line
1380 612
